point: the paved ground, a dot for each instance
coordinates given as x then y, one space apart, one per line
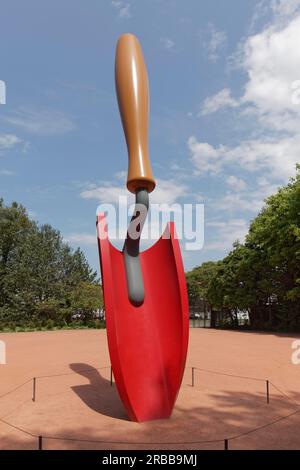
82 405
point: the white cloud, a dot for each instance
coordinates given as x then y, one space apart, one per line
122 7
204 156
226 234
237 202
81 238
272 61
121 175
285 7
166 191
233 201
167 43
271 101
105 194
8 141
278 156
215 43
251 200
222 99
45 122
238 184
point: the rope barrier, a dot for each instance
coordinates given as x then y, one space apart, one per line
139 443
263 426
18 428
284 394
96 441
71 373
230 375
133 443
93 369
15 389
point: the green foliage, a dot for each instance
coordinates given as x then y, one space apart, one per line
43 282
261 276
199 281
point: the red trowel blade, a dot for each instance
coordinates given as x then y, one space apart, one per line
147 344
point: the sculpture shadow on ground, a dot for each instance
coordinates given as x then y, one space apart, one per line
203 413
98 394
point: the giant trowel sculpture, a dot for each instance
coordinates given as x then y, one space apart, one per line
145 293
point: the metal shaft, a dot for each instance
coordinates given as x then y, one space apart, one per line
131 250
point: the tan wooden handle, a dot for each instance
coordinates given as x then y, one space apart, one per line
133 96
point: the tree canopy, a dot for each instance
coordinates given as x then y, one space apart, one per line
261 276
42 280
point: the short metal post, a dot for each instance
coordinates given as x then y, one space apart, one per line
33 388
193 376
40 442
268 391
225 444
111 376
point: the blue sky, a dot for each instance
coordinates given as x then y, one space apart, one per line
224 115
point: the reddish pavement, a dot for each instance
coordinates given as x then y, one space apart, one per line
82 405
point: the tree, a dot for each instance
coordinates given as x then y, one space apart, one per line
275 234
39 272
198 285
262 275
15 226
86 300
